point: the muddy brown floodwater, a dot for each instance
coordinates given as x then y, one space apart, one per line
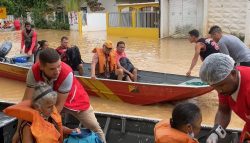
166 55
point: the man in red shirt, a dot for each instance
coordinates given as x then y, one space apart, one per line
29 41
71 96
127 68
62 52
232 84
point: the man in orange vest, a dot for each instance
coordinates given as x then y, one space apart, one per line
71 96
104 63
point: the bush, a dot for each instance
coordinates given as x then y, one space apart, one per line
58 25
43 24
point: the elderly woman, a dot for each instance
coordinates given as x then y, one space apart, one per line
232 84
41 123
184 125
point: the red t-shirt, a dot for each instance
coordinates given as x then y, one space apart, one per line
242 104
119 56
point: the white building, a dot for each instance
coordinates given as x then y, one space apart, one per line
180 16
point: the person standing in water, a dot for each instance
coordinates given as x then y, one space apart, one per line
29 41
231 45
203 48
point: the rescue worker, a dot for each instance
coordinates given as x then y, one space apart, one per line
184 125
41 121
29 41
203 48
104 63
232 84
71 96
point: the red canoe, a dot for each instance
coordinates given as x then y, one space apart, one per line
152 87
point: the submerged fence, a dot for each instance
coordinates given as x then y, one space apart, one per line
141 19
123 19
147 19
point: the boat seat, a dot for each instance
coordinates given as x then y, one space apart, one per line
7 127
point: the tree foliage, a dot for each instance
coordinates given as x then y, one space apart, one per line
40 8
94 5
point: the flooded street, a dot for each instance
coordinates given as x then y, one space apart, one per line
167 55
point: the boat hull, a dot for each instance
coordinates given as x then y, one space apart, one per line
130 92
117 128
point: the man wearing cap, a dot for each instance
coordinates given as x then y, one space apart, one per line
232 84
231 45
104 63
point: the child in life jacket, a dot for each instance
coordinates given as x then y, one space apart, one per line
40 121
184 125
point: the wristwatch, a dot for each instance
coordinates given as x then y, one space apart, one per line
217 129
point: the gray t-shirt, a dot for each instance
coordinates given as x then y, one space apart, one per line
65 87
235 48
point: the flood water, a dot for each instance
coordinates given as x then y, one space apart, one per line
166 55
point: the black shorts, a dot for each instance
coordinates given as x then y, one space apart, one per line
75 65
245 64
112 76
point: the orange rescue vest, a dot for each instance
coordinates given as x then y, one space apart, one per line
102 60
164 133
42 130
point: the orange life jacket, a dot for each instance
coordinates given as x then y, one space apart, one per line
102 60
164 133
42 130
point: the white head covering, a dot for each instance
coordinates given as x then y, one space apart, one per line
216 67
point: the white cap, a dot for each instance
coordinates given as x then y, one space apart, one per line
216 67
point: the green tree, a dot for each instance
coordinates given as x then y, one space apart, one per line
40 8
94 5
74 5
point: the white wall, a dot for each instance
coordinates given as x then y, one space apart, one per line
247 31
184 15
200 16
230 15
164 19
205 18
95 22
73 20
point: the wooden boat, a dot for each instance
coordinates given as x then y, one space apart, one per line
117 128
7 29
152 87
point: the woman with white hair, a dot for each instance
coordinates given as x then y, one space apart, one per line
41 123
233 87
